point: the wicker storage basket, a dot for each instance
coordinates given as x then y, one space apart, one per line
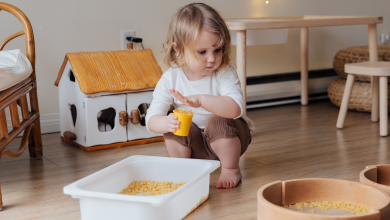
360 97
355 55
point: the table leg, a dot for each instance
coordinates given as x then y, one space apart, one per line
241 62
373 51
383 106
304 66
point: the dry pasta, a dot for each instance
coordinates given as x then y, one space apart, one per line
354 209
150 188
184 112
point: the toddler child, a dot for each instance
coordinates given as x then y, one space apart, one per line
201 79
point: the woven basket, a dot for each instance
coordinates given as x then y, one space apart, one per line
360 96
355 55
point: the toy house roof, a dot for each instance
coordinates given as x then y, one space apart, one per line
113 71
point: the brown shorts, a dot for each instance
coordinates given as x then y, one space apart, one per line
216 127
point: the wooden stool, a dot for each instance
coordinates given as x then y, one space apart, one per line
378 69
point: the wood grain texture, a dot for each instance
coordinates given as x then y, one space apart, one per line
3 126
17 94
304 65
22 145
375 69
113 71
299 21
10 38
345 101
15 132
70 135
304 22
241 62
31 124
135 117
290 142
373 52
28 31
61 71
377 176
14 115
123 118
375 98
383 113
24 108
6 93
320 189
114 145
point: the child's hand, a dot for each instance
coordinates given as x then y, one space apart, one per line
192 101
172 123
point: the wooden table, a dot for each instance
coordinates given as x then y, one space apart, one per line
303 22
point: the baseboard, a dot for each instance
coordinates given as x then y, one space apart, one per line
50 123
292 76
284 101
280 89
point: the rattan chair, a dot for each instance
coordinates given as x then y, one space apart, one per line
17 95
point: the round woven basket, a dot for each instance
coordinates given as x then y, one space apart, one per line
355 55
360 96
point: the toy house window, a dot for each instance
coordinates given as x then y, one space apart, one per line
106 119
142 112
73 114
71 76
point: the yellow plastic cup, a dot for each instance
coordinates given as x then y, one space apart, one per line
185 123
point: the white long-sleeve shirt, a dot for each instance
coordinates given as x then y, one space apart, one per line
223 83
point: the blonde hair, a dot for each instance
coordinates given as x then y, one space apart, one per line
184 28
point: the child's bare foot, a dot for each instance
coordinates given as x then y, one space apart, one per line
229 178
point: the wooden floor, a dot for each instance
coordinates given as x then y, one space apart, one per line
290 141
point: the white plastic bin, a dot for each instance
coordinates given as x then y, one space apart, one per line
99 198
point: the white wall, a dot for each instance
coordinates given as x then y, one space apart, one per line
95 25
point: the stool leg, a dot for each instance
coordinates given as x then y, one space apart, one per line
1 201
375 98
383 106
345 101
304 66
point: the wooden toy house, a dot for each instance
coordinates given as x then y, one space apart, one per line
104 97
